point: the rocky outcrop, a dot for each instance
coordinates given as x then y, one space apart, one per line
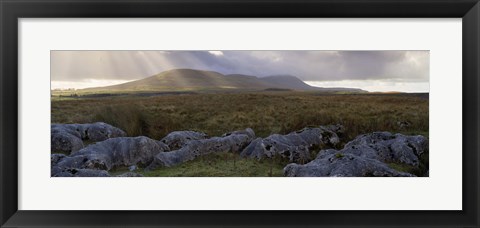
296 145
376 154
366 155
230 142
178 139
389 148
68 138
111 153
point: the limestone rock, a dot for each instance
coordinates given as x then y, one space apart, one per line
254 150
64 142
231 142
366 155
389 148
296 145
111 153
55 158
335 164
177 139
68 138
81 173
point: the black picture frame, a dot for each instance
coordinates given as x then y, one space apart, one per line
12 10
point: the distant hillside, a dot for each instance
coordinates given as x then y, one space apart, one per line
191 80
287 81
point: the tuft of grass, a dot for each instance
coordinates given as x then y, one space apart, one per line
128 117
339 155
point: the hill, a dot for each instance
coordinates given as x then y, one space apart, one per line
198 80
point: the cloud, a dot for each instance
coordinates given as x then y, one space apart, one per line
216 53
375 85
85 83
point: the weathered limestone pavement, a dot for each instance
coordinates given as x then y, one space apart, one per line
231 142
296 145
109 154
366 155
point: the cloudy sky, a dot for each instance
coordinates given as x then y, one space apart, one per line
406 71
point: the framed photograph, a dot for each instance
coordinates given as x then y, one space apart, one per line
225 113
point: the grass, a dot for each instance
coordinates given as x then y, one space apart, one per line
339 155
408 169
220 165
266 113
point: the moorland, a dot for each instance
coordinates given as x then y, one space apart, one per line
212 103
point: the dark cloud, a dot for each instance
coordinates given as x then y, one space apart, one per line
399 66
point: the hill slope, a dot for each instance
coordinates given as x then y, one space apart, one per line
287 81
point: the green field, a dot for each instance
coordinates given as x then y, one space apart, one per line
265 112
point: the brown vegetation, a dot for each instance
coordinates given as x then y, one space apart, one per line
265 112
